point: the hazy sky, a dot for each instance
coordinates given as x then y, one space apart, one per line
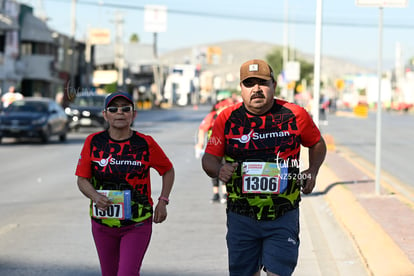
349 31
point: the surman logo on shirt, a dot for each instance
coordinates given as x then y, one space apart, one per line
245 138
103 162
112 161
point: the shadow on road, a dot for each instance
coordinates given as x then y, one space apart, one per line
15 269
324 192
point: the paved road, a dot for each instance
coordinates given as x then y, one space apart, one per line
45 228
359 134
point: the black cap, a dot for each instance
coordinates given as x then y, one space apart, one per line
115 95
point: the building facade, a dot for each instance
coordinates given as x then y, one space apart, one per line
34 59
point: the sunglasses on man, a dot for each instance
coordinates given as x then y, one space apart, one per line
115 109
250 82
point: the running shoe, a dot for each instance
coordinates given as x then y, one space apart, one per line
215 199
224 199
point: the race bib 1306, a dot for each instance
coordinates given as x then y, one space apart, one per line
264 177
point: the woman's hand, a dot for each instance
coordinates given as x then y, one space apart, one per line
160 212
102 202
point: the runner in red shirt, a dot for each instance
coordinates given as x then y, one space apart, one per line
204 132
260 140
114 173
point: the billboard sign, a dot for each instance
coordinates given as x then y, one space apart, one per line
382 3
155 18
292 72
99 36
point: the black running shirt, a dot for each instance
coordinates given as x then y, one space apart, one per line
123 165
273 138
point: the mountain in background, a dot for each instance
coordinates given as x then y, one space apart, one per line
235 52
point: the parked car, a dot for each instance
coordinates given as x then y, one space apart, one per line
86 111
34 118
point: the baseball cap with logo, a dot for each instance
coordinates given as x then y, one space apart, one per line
115 95
256 68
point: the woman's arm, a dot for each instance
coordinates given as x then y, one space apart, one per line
102 202
160 212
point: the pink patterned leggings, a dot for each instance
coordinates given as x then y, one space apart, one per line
121 250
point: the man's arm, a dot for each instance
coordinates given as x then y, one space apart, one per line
200 139
211 164
214 167
317 155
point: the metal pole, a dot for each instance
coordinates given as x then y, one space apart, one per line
285 92
73 46
317 62
379 109
119 50
154 45
156 68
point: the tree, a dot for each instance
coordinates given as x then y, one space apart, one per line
134 38
111 87
306 70
275 60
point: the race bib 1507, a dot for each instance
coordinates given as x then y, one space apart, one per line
120 207
264 177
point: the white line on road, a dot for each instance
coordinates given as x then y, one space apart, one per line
7 228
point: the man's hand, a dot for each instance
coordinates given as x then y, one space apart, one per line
308 181
226 171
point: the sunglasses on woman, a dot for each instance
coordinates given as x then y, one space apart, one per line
115 109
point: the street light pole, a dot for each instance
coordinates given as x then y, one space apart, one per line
285 49
73 46
379 109
317 62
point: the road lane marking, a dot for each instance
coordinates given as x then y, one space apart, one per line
7 228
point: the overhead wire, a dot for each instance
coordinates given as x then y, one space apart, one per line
326 22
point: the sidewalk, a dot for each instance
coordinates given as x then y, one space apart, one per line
379 225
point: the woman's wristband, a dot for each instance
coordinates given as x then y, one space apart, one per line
164 199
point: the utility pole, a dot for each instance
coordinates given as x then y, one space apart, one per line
378 132
73 46
317 62
379 108
157 70
285 56
41 11
88 59
119 49
155 21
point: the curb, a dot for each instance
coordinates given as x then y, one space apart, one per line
381 255
388 182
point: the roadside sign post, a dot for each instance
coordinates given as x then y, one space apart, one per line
381 4
155 21
292 74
